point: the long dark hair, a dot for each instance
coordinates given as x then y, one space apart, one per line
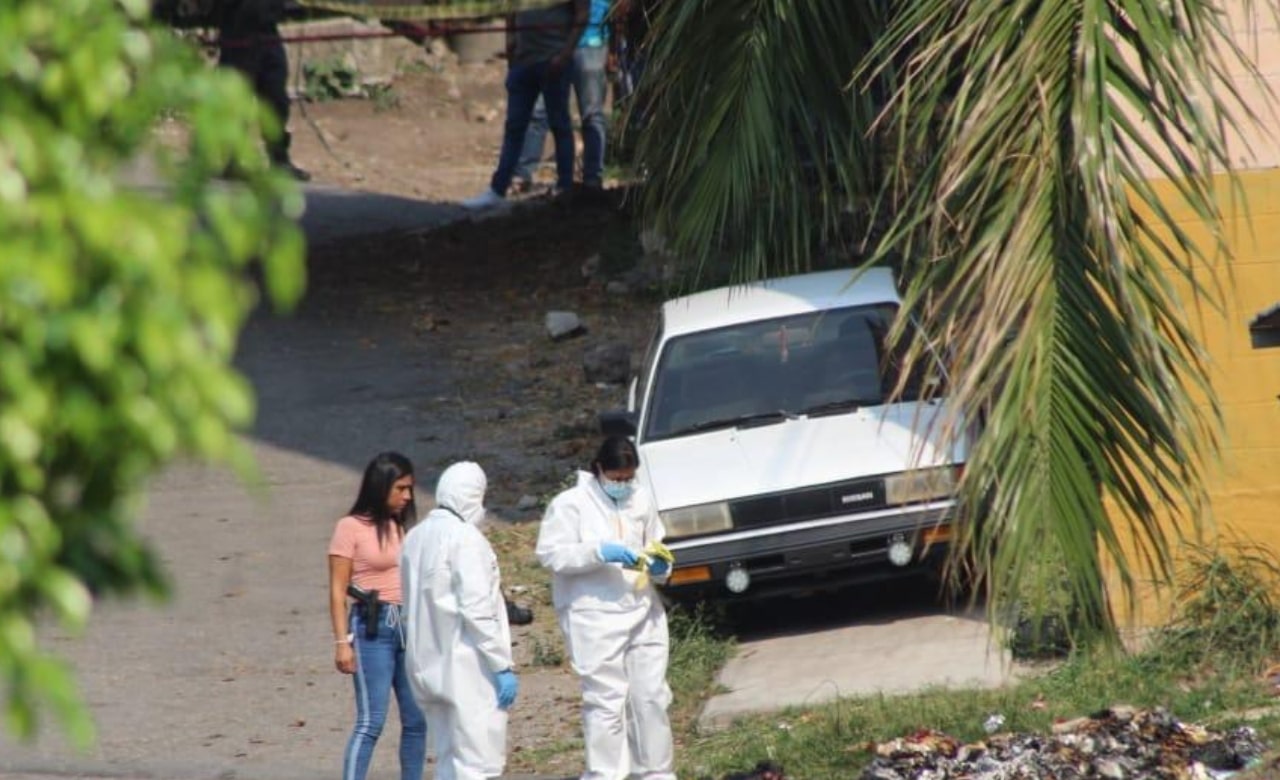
616 452
381 473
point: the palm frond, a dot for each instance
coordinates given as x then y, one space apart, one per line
753 148
1036 240
1012 146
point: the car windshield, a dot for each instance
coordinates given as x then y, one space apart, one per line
768 371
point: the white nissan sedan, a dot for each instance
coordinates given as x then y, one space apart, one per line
765 432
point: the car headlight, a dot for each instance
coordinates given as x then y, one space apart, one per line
696 520
912 487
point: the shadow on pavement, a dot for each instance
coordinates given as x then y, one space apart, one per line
342 377
334 213
867 605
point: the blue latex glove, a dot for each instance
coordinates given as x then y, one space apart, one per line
508 686
615 552
659 567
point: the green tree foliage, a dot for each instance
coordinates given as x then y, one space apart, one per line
1000 154
119 307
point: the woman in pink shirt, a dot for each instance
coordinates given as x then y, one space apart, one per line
364 563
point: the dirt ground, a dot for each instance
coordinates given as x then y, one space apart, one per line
432 135
429 341
475 293
480 288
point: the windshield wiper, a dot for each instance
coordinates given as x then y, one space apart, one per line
741 421
836 407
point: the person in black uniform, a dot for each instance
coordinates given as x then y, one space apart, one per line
250 42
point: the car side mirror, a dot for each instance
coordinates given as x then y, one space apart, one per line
618 422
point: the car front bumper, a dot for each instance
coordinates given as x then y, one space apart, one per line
807 556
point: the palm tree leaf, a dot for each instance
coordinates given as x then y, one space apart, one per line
735 90
1009 148
1042 222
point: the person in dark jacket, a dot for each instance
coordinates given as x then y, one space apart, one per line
249 41
540 45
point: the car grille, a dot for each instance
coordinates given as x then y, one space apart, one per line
840 498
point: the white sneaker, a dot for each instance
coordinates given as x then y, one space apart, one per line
485 200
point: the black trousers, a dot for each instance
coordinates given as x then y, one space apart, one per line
259 55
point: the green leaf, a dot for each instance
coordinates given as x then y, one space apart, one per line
68 597
119 309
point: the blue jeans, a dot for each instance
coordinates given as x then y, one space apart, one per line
525 84
379 671
589 82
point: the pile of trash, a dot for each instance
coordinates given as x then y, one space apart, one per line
1121 742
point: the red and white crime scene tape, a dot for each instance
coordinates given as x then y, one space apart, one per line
428 11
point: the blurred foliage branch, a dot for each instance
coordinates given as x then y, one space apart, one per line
120 306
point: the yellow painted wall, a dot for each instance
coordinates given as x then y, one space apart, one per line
1244 482
1246 491
1244 485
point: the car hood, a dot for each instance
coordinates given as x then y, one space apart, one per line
732 463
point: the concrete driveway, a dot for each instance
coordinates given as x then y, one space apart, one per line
881 639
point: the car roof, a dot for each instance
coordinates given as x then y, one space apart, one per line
779 297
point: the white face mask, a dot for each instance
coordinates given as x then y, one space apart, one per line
618 491
477 516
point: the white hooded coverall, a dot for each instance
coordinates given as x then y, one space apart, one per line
456 628
615 632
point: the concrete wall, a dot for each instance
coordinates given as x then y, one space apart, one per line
1246 486
1258 34
374 59
1246 489
1244 481
1254 144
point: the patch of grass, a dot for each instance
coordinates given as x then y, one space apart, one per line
416 66
1226 608
514 545
1203 668
546 653
700 646
384 97
835 740
541 758
329 78
527 583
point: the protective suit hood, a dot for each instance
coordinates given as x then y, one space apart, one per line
461 488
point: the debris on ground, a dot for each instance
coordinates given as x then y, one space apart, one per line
764 770
1121 742
563 324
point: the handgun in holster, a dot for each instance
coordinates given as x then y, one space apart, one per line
368 600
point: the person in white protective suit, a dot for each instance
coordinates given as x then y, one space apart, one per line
458 648
614 624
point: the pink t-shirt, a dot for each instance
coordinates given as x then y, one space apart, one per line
373 566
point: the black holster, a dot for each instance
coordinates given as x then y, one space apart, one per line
368 604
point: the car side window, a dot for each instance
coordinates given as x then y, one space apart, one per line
647 364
